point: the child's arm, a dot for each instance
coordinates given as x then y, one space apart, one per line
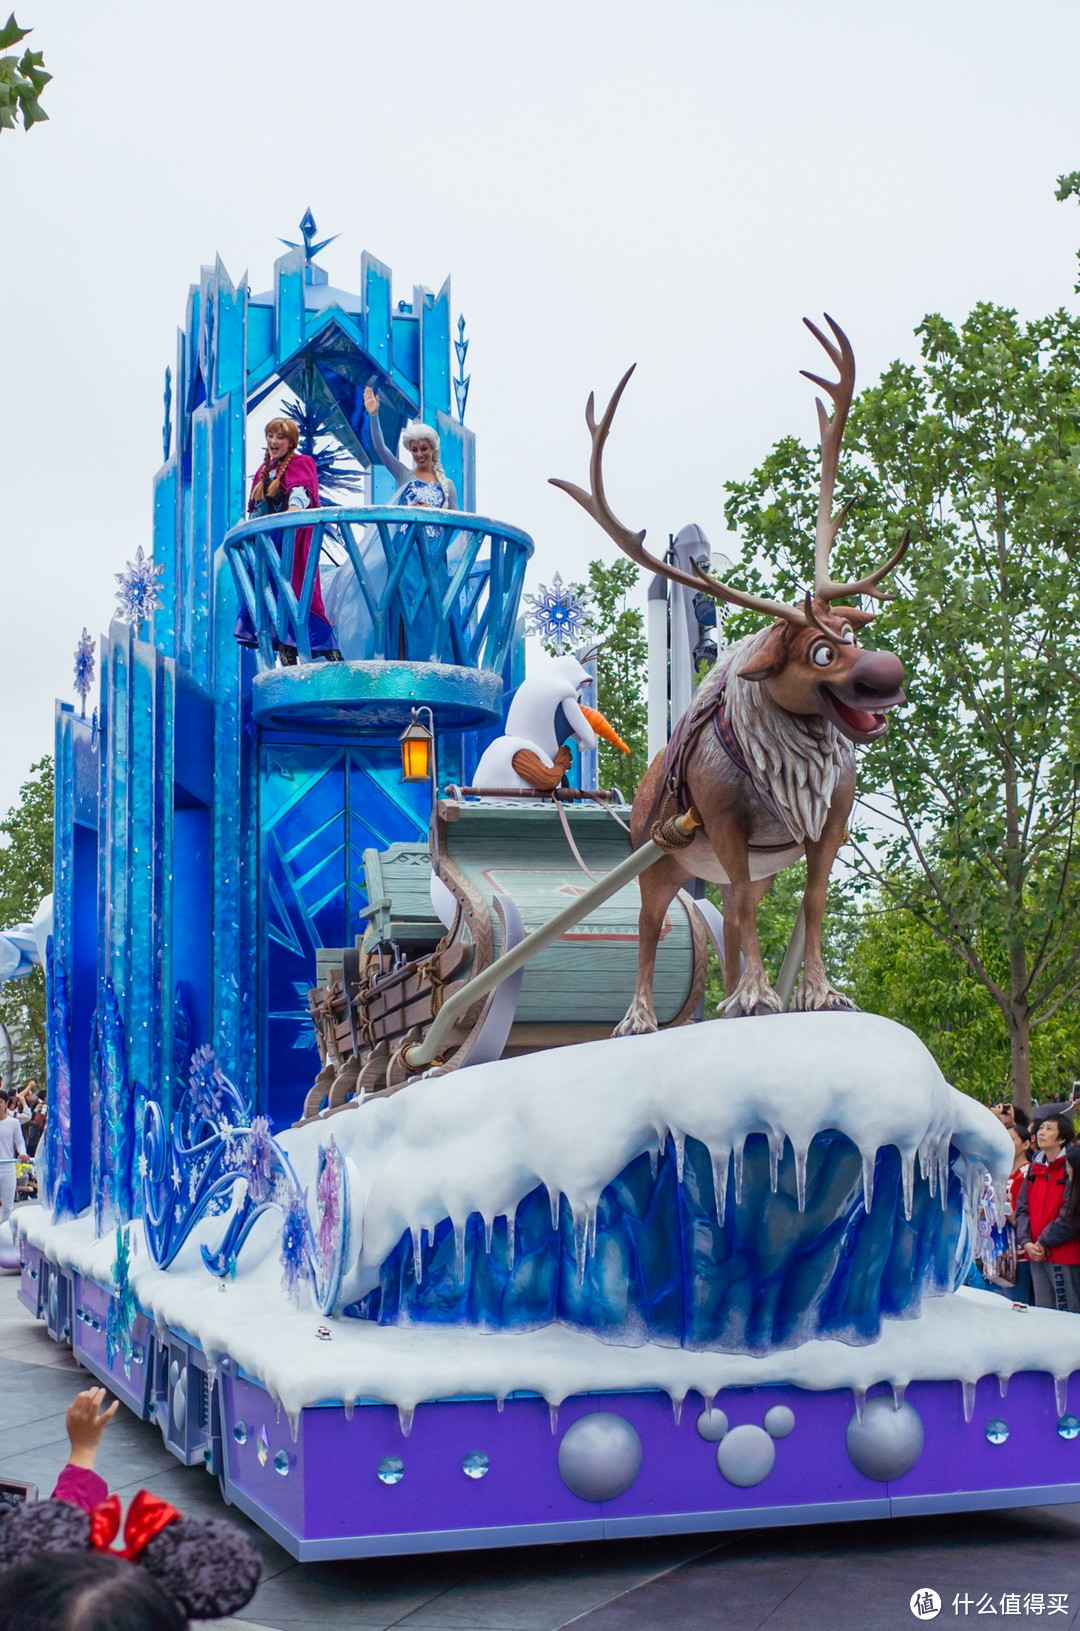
85 1426
78 1483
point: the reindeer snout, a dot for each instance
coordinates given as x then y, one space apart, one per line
875 677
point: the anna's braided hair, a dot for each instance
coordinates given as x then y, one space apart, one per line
289 429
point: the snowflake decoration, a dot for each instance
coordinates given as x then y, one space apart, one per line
257 1162
295 1249
561 615
209 1088
137 597
84 670
330 1197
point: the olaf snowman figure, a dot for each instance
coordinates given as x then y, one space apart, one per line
545 712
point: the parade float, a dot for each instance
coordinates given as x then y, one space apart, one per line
348 1184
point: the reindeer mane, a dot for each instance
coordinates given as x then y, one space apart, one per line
795 760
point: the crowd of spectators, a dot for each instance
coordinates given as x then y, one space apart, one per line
1032 1254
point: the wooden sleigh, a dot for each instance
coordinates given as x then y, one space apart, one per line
507 866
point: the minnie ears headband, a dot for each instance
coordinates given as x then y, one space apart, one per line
208 1567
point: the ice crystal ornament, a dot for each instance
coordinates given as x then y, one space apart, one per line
137 597
561 614
84 670
257 1161
295 1245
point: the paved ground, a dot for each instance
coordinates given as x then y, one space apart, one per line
837 1577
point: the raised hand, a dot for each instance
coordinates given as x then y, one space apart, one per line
85 1424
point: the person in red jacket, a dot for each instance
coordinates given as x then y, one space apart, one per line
1046 1231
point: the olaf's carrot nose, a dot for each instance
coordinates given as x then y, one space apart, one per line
602 728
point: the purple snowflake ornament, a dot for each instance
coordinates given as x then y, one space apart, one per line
137 597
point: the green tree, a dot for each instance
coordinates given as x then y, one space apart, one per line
26 852
22 80
900 968
621 666
977 451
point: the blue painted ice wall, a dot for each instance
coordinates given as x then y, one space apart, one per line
159 861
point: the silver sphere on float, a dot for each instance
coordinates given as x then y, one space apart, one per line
887 1442
779 1421
746 1455
599 1456
712 1425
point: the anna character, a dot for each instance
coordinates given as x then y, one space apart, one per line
285 481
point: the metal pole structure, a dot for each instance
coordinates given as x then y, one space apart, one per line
656 630
7 1053
427 1051
793 960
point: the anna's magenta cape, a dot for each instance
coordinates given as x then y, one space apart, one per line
300 472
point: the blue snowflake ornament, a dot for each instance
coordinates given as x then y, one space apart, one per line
561 615
137 597
84 670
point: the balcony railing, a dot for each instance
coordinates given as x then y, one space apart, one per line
420 585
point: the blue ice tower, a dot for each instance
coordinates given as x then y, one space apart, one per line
212 816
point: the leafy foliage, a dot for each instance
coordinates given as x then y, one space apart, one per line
977 451
22 80
26 837
620 672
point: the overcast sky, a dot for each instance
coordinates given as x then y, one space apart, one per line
606 181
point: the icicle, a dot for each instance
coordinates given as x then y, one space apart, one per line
859 1395
489 1224
776 1146
738 1153
590 1232
676 1407
969 1399
555 1197
277 1409
654 1162
908 1165
405 1415
350 1406
868 1179
801 1155
1061 1394
511 1232
500 1403
930 1166
720 1166
1003 1384
898 1391
943 1173
581 1226
293 1418
417 1255
459 1252
553 1417
680 1154
663 1138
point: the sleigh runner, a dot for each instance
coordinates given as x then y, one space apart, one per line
507 869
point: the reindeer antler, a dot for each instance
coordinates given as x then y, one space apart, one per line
832 434
633 543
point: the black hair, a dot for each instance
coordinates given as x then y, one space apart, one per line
200 1569
1070 1211
1066 1130
1021 1117
85 1591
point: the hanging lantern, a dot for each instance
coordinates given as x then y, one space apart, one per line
416 744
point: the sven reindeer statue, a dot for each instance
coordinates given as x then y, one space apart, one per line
764 754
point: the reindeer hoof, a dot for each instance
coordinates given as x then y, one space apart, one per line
640 1021
748 1000
819 998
